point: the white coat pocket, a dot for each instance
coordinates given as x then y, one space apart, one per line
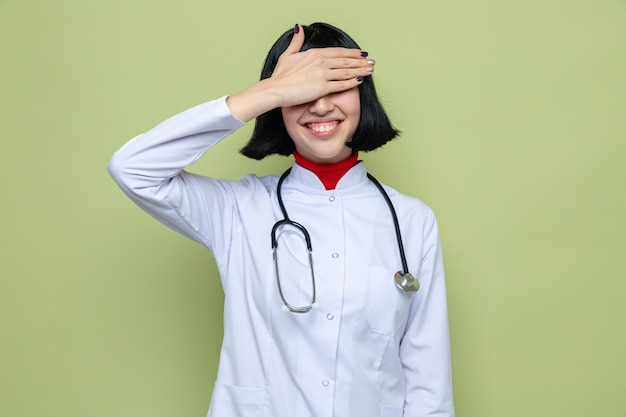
232 401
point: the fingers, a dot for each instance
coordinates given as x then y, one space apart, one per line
338 52
343 69
300 77
296 41
350 63
343 85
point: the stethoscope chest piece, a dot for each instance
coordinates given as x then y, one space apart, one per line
406 282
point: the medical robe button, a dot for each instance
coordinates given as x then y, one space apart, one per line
335 255
331 198
325 382
329 316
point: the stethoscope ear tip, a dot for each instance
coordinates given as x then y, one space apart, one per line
315 306
285 309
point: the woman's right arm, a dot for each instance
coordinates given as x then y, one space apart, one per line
150 169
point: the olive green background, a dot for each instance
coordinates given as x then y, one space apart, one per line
513 116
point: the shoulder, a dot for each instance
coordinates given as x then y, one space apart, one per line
408 203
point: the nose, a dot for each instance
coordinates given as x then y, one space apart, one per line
322 105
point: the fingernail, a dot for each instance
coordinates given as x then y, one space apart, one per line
364 54
359 79
296 29
371 62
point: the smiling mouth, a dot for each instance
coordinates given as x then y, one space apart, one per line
323 128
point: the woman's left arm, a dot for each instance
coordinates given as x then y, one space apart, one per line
425 346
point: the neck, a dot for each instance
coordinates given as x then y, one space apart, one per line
329 174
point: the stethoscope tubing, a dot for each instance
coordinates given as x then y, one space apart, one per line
378 185
403 279
396 223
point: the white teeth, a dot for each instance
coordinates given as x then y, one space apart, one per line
323 128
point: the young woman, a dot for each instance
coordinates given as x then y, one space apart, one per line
335 302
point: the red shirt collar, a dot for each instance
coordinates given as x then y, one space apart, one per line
329 174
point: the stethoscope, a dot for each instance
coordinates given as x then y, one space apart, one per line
405 281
